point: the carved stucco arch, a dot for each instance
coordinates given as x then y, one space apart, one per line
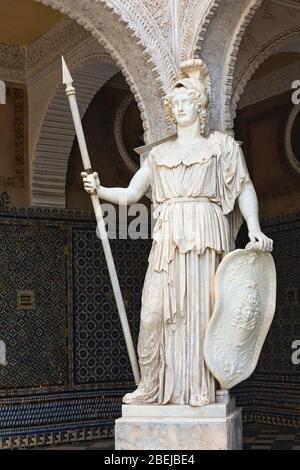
276 45
56 136
195 22
123 33
132 38
218 45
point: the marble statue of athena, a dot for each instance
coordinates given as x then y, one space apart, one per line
201 189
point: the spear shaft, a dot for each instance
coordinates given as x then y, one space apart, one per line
71 94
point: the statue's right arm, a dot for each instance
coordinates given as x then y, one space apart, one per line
138 187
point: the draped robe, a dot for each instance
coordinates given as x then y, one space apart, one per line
194 192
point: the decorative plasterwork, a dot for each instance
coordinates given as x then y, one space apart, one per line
148 34
24 64
228 73
218 45
118 133
288 3
226 64
183 6
117 81
288 146
275 26
160 12
111 21
12 63
266 50
64 36
195 20
271 20
57 133
272 84
17 94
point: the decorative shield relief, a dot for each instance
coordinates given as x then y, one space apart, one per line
245 298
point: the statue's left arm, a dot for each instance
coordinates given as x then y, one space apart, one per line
248 205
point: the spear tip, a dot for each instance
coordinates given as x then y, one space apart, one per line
67 77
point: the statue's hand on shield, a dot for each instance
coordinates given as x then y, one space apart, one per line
91 182
259 241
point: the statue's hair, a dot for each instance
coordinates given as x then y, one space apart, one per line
196 81
198 93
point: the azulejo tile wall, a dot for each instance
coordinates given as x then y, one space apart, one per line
32 258
99 346
67 365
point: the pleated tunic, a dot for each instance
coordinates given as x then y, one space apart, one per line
194 190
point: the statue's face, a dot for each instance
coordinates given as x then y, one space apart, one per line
184 108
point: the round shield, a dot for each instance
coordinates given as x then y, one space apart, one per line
245 299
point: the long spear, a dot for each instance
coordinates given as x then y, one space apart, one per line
71 94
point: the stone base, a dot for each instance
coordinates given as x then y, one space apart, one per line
174 427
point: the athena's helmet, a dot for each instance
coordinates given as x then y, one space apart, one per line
196 80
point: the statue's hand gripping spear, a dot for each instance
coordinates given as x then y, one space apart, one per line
71 94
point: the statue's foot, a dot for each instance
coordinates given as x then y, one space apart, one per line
139 397
199 401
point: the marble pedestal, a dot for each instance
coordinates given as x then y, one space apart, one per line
174 427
